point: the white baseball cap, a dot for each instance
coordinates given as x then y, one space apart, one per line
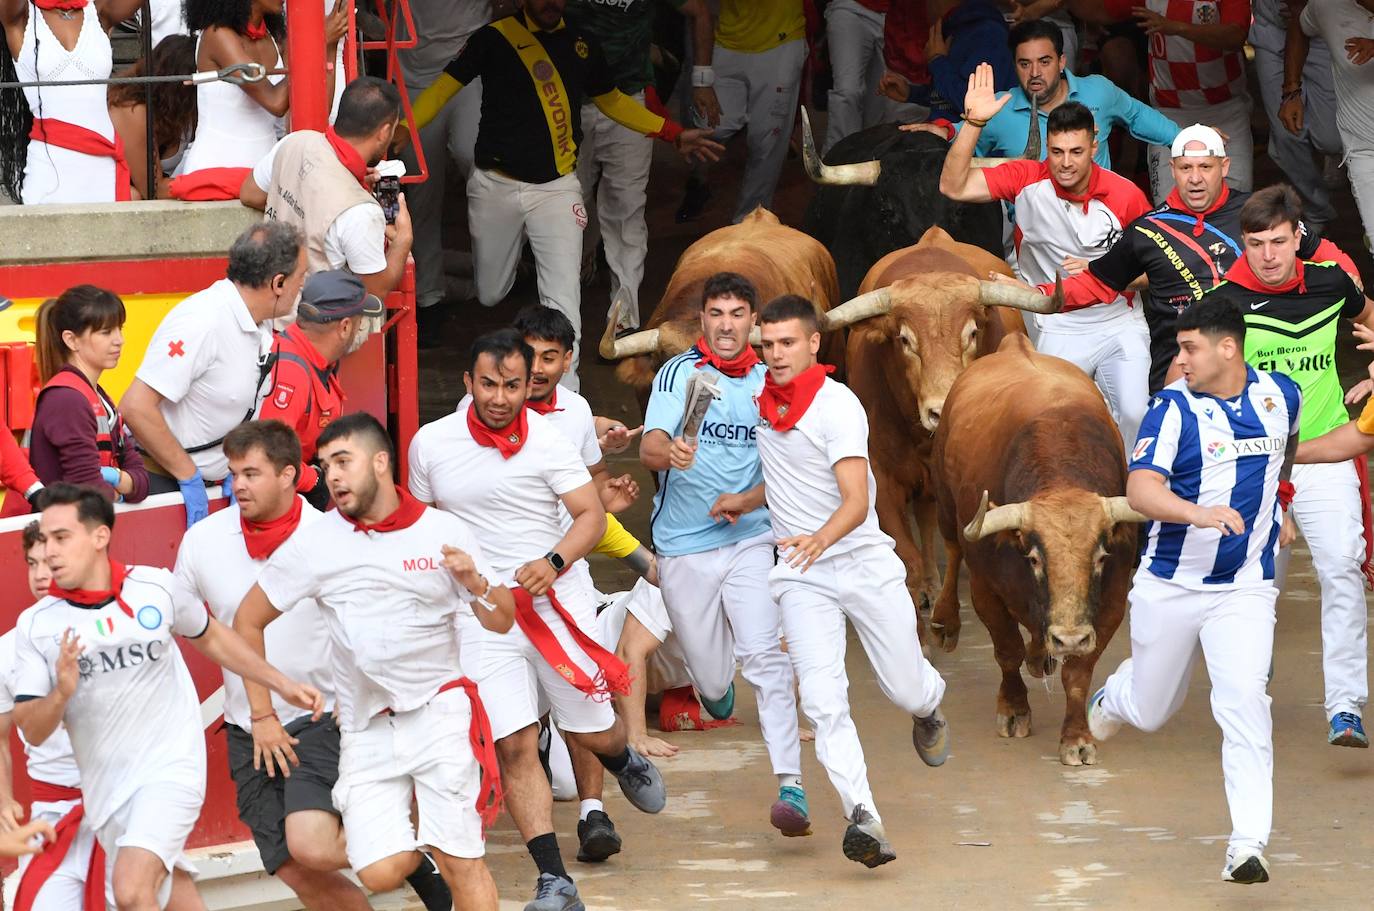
1210 139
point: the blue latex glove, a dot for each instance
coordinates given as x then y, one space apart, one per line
110 475
193 494
227 488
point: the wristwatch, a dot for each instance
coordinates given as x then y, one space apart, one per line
555 561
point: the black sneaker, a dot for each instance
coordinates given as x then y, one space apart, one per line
597 839
694 200
430 886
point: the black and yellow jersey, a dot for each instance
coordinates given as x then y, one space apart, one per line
533 85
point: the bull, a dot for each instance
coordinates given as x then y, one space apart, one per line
879 191
1031 433
777 259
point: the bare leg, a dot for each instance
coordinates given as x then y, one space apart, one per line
184 895
138 874
528 795
635 646
315 839
319 891
469 880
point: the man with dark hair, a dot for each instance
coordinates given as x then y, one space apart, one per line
1210 472
710 530
1069 211
392 579
1292 310
505 470
201 373
96 655
335 317
318 182
288 810
834 562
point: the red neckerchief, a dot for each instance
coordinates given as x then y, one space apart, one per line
256 32
1095 189
490 794
348 156
738 366
612 676
263 538
92 597
1175 201
45 864
782 406
406 515
545 407
1242 275
60 4
508 440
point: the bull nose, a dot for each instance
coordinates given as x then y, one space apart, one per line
930 416
1072 640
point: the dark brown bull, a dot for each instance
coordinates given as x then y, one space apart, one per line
1032 433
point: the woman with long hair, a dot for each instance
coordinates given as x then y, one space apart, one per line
78 435
174 111
238 124
57 144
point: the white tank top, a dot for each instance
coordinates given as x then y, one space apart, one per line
52 174
232 130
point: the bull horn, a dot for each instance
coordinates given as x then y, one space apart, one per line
1003 294
861 174
871 303
1118 509
989 162
1032 152
612 348
999 518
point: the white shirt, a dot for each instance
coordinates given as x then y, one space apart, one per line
443 28
52 760
512 504
799 468
134 719
389 604
1335 21
355 240
203 360
213 566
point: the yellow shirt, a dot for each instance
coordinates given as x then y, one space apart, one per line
1365 422
617 542
755 26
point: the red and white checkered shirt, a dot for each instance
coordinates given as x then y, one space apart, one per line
1183 73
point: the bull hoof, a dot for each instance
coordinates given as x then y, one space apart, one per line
947 639
1077 752
1014 725
1041 665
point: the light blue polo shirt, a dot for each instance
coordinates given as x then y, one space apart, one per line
727 460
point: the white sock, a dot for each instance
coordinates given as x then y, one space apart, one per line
588 805
789 781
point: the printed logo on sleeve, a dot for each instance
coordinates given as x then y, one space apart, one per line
1142 446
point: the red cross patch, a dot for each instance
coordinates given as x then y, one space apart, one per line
176 349
283 396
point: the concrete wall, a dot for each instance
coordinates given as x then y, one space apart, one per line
153 229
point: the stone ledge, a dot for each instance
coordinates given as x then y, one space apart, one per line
152 229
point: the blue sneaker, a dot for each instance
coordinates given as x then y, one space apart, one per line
721 708
1347 731
790 815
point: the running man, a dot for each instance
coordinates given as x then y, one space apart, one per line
98 655
1292 310
710 530
392 578
834 562
1069 211
505 470
1210 471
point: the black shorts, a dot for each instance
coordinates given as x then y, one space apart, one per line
264 803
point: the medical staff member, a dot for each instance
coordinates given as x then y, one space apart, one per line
1214 451
536 70
202 372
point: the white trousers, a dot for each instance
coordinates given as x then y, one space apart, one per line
868 586
759 91
65 887
613 168
721 611
854 34
1294 153
1232 118
1234 630
1117 359
1359 163
1326 505
502 213
447 140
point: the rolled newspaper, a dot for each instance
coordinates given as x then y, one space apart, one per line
701 392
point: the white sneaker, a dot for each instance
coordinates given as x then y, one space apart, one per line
1099 725
1245 867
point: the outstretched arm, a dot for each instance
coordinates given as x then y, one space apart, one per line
228 649
960 180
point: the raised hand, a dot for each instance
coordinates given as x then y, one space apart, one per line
981 103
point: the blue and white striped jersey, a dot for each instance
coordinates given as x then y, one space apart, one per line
1219 452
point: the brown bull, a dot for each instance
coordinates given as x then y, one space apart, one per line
922 316
777 259
1031 432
